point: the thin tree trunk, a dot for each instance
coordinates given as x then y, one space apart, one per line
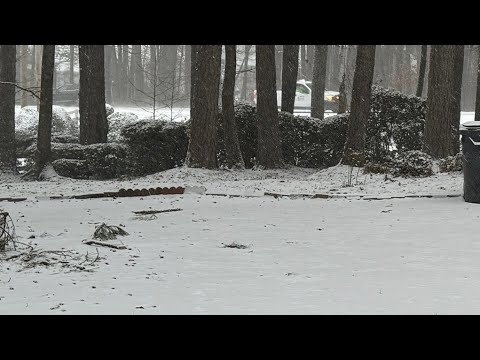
303 62
108 74
318 83
310 61
457 97
93 117
138 71
289 77
24 73
8 157
38 68
72 64
269 154
202 152
354 153
246 72
421 72
232 145
193 72
342 98
477 96
44 135
188 70
278 66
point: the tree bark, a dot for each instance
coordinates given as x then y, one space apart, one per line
289 77
303 62
24 73
246 72
456 97
137 71
318 83
232 145
310 62
278 66
442 97
44 134
108 74
193 71
93 117
269 154
72 64
342 98
202 151
8 159
354 153
421 72
477 96
188 70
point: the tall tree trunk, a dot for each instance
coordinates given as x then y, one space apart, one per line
72 64
289 77
93 117
115 74
441 101
354 153
232 145
342 98
310 62
477 96
278 66
246 72
44 135
108 74
318 83
153 65
193 72
132 93
269 154
202 149
421 72
24 73
38 69
8 157
456 97
137 71
303 62
188 70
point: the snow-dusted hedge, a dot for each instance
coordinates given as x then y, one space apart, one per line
102 161
72 168
154 146
109 109
451 163
413 163
116 121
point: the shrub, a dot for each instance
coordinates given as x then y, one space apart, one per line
116 121
451 163
154 146
72 168
413 163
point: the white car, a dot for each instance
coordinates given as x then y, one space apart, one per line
303 97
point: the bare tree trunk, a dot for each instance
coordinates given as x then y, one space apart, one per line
342 98
354 153
457 97
289 77
421 72
441 101
44 134
310 62
72 64
93 117
246 72
38 68
137 71
202 152
188 70
8 159
303 62
269 154
193 72
278 66
108 72
232 146
477 96
318 83
24 73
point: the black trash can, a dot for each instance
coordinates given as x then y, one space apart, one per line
471 161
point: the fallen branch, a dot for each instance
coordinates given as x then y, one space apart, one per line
100 243
149 212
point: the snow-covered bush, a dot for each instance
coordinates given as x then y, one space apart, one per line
154 146
116 121
451 163
413 163
72 168
109 109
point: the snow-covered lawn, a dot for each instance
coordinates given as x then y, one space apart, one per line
302 256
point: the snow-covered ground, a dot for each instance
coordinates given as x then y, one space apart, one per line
346 254
337 255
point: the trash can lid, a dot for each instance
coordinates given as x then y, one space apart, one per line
471 124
